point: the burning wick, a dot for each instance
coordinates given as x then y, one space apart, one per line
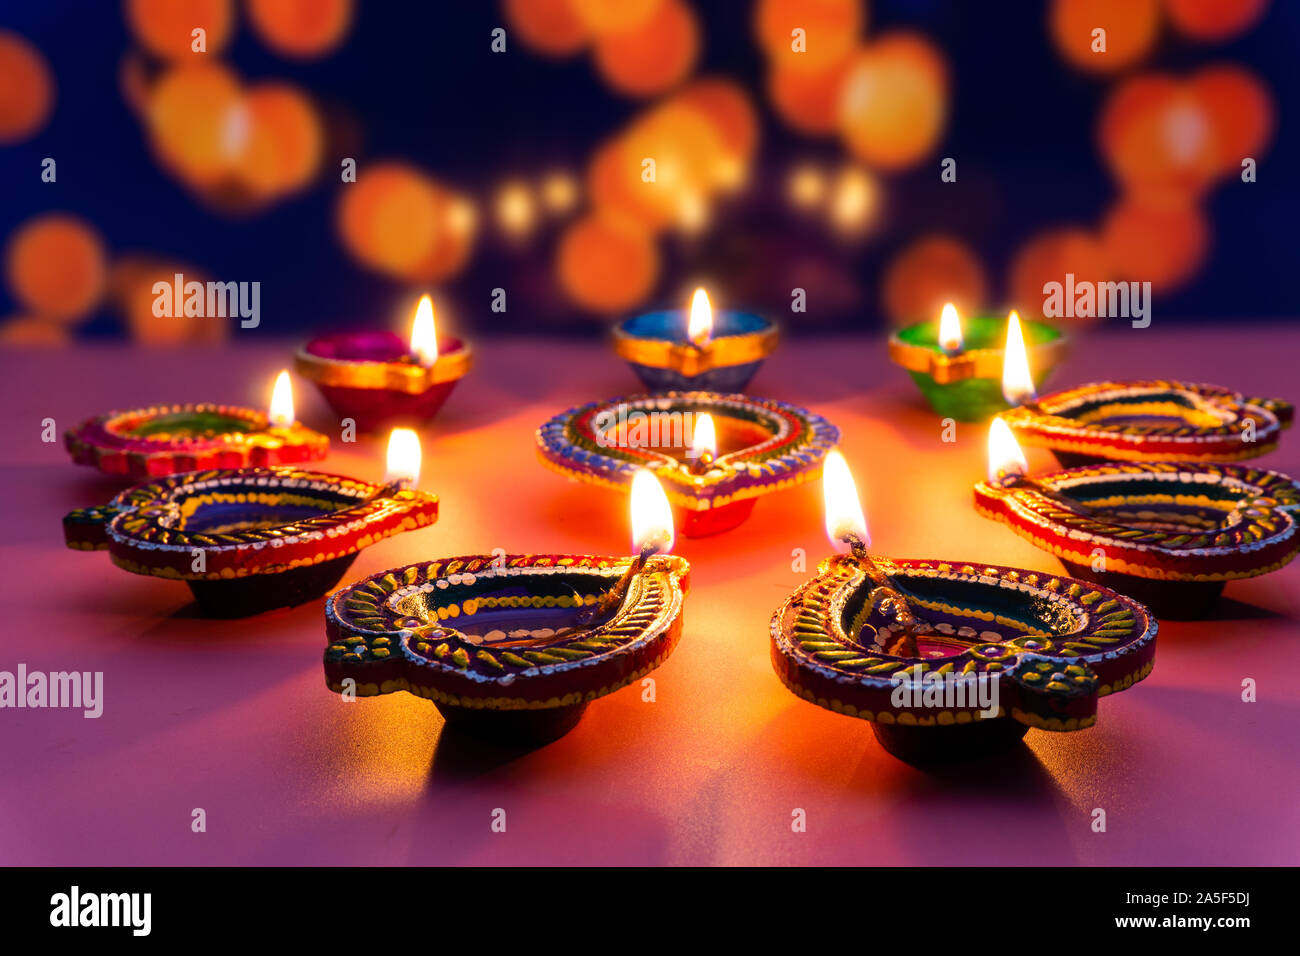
704 444
950 338
1008 467
424 336
700 326
846 526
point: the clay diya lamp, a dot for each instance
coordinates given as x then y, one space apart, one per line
696 349
950 660
1170 534
1150 421
513 647
716 455
250 539
377 379
170 439
959 369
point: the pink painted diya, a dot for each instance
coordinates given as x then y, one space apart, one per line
171 439
377 379
716 455
1150 421
249 539
950 660
1170 534
514 647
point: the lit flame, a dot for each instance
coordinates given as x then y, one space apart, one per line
704 440
1017 383
652 516
281 413
1005 457
700 326
950 337
424 338
403 457
843 510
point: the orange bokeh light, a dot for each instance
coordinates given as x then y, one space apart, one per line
653 56
282 150
808 101
893 105
1240 108
1156 238
1131 29
831 30
551 27
1155 134
1214 20
195 119
56 267
301 29
1047 257
26 88
606 266
930 273
165 27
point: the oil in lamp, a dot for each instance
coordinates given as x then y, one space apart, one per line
948 659
376 378
250 539
716 455
514 647
699 348
170 439
957 365
1170 534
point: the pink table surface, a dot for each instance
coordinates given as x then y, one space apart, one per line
234 717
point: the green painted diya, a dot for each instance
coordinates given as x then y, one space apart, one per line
966 385
508 647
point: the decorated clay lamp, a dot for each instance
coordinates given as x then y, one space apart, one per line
376 378
170 439
950 660
696 348
250 539
1169 534
716 455
958 366
1150 421
513 647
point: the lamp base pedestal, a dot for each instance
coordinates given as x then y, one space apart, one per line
515 728
949 744
1171 600
243 597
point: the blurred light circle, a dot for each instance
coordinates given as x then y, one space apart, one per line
1241 113
1131 28
808 102
1212 21
32 331
686 146
806 186
1158 238
731 112
1048 257
130 284
398 221
614 16
648 59
301 29
927 274
893 104
282 149
56 267
195 118
606 266
615 187
166 27
26 88
854 201
559 191
1155 134
552 27
831 30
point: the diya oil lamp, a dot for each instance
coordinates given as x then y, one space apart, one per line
250 539
170 439
958 366
514 647
1170 534
716 455
696 349
1150 421
950 660
375 378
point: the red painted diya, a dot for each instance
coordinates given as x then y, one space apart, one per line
249 539
511 647
997 651
171 439
1150 421
715 454
1169 534
377 379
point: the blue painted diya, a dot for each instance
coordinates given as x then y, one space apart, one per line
660 350
996 651
762 446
